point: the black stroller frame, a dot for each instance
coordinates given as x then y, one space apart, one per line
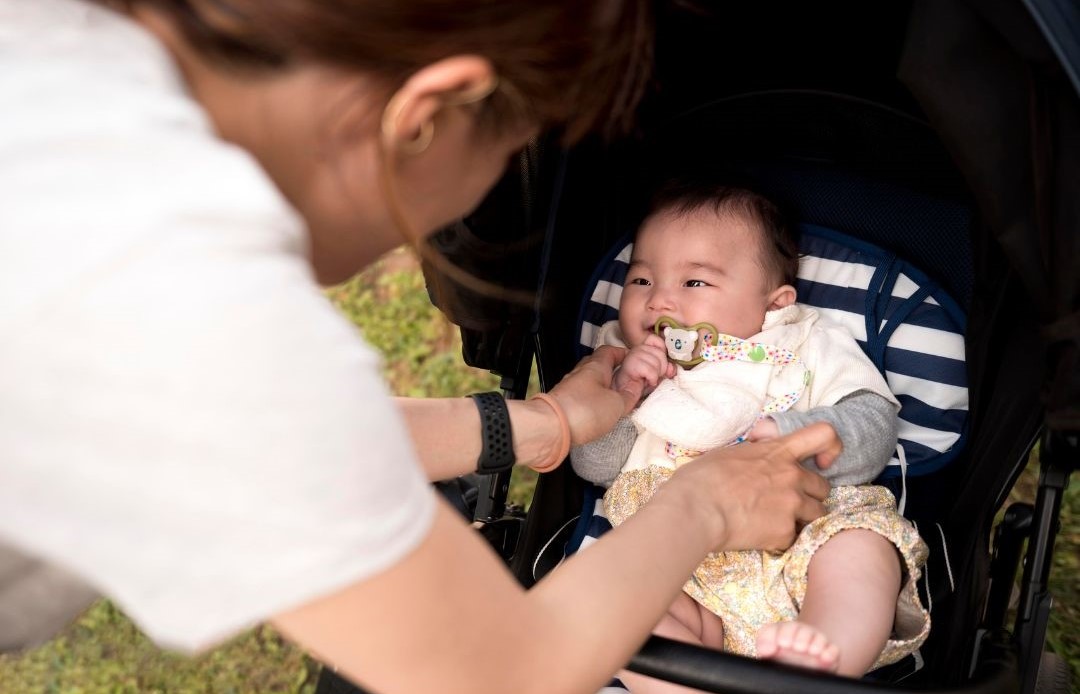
872 109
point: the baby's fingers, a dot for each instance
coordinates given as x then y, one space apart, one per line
653 340
657 348
648 365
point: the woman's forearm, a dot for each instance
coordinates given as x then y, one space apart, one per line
450 618
446 433
635 572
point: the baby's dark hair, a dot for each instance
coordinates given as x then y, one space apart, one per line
779 255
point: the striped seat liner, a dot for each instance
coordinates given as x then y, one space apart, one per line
904 321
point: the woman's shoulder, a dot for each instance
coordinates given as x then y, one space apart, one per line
106 162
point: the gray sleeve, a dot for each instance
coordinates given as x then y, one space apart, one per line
866 424
599 461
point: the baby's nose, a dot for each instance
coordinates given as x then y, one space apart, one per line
661 300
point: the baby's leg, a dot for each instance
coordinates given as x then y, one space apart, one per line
704 627
685 621
847 615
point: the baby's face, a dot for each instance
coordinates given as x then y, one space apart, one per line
697 267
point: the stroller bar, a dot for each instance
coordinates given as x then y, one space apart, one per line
1060 455
713 671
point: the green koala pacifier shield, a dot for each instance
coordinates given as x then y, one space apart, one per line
684 343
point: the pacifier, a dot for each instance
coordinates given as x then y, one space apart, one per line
684 343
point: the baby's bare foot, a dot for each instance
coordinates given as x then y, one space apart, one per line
798 644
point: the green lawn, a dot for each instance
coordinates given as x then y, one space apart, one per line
103 653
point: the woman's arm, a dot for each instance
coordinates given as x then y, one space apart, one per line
450 617
446 431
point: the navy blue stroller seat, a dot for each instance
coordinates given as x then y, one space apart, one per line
906 321
912 330
905 220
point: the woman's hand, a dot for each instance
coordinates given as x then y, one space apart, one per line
591 405
755 495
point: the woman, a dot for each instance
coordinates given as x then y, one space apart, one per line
191 429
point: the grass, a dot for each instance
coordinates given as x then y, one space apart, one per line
103 652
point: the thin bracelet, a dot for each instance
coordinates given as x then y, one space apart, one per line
564 432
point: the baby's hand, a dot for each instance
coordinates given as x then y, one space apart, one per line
764 430
647 362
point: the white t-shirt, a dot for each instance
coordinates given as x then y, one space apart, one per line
185 421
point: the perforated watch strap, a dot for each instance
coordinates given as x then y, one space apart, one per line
497 452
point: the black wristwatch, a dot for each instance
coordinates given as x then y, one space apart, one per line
497 452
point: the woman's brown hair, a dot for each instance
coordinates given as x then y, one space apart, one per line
580 64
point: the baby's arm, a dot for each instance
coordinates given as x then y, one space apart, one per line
866 424
599 461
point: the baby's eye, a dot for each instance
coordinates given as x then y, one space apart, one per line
696 283
641 281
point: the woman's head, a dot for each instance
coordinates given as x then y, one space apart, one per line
478 76
559 61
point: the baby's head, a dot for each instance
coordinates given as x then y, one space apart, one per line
713 254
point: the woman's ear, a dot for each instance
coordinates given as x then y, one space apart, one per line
782 296
408 122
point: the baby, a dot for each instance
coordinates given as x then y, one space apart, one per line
713 269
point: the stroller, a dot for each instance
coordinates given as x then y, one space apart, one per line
941 134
